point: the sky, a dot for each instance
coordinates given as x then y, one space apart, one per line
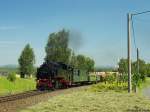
101 25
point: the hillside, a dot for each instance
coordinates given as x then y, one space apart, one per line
4 70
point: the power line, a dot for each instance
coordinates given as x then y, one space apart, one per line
133 33
138 13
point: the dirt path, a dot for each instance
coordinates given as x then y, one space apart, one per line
14 106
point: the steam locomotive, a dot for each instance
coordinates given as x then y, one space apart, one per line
55 75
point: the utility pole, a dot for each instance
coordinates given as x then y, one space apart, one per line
137 61
129 17
137 68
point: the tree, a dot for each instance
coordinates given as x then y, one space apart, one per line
148 69
89 63
26 61
123 66
83 62
57 50
73 60
137 78
142 67
80 61
57 47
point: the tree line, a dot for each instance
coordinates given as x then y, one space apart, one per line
138 76
57 50
144 68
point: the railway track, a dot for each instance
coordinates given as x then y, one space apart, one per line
21 95
28 94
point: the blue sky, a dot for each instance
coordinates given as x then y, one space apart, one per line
101 24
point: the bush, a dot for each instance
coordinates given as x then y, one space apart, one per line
109 86
122 78
11 77
110 78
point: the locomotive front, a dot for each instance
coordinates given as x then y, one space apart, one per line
53 75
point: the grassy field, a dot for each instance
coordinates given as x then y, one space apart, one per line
20 85
146 83
91 101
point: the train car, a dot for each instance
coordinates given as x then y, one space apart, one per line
52 75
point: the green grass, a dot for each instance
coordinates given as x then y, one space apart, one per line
90 101
20 85
146 83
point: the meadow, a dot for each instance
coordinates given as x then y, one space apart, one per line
19 85
94 100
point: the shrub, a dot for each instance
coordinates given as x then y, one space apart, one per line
109 86
11 77
122 78
110 78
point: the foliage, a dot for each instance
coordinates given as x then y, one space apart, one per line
122 78
57 47
137 78
11 76
110 78
26 61
143 67
148 69
89 64
109 86
123 66
57 50
83 62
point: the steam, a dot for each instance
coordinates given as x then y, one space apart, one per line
75 40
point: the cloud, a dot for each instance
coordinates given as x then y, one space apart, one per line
8 27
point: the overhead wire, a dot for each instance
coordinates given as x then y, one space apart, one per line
133 30
133 34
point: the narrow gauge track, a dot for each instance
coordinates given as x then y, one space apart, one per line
26 94
21 95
